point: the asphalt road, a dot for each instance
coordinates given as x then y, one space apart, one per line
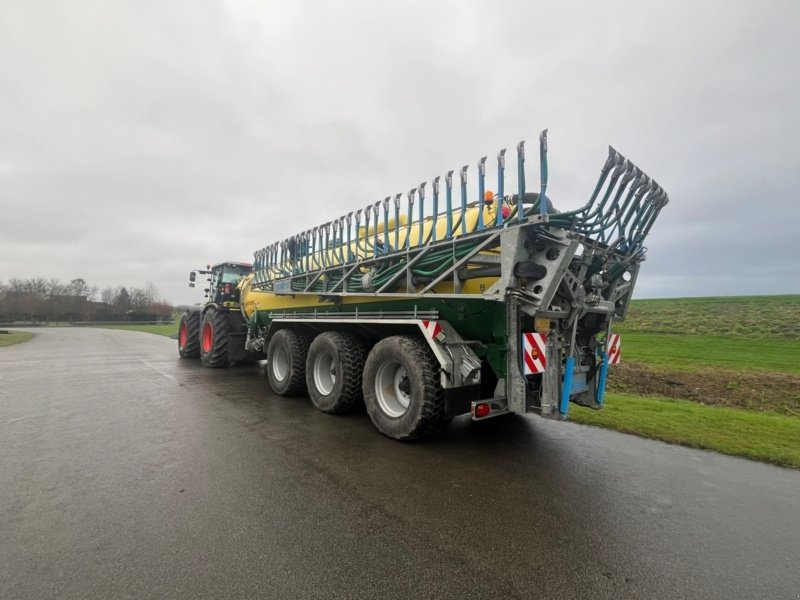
128 473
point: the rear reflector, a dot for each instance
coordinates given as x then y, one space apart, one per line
482 410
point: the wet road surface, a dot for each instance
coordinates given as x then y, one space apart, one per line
128 473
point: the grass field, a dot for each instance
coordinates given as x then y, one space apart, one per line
694 352
761 436
14 337
745 317
739 352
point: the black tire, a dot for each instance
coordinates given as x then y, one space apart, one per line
286 362
214 339
411 366
334 369
189 335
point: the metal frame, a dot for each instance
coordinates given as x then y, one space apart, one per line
586 263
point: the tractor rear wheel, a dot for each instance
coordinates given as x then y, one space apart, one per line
286 362
402 389
334 369
214 339
189 335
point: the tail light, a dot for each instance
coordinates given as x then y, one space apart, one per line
482 410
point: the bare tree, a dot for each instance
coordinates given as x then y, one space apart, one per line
49 298
77 287
139 298
55 288
35 287
108 295
152 291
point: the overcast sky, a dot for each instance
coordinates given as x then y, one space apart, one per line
139 140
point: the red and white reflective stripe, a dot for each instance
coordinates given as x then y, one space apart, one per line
434 330
534 353
613 349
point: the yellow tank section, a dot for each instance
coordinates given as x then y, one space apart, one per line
262 300
403 220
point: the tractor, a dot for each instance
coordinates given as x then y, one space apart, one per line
215 330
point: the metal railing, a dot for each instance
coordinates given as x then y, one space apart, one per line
395 245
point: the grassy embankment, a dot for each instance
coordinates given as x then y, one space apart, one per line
167 329
14 337
715 373
764 436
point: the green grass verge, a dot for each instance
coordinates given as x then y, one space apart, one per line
691 352
167 329
761 436
737 316
15 337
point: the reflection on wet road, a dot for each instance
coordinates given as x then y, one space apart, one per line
128 473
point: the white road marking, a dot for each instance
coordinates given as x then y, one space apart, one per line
157 370
18 419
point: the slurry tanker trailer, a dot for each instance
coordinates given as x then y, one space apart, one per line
438 303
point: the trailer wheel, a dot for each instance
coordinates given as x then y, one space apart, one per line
286 362
334 370
189 335
402 390
214 339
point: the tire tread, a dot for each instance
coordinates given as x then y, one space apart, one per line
218 355
297 342
431 418
352 354
192 347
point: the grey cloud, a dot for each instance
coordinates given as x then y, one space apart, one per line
140 140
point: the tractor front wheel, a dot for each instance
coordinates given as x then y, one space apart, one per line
214 339
189 335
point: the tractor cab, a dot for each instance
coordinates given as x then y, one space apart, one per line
222 280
